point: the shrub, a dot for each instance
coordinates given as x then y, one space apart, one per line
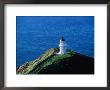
70 52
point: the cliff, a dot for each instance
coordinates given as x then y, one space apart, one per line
51 63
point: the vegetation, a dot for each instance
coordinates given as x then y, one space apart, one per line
51 63
28 67
70 52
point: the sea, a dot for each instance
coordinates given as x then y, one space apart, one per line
36 34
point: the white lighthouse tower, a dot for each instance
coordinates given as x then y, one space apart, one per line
62 46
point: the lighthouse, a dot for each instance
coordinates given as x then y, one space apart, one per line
62 46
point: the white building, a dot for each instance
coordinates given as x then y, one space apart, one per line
62 46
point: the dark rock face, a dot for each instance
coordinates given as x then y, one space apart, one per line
50 63
76 64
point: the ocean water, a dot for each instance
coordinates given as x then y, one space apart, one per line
36 34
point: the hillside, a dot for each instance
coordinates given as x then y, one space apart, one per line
51 63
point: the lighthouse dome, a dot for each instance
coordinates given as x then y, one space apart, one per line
62 39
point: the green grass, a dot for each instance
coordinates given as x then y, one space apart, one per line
47 59
54 60
38 62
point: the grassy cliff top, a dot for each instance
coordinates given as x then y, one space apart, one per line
51 63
